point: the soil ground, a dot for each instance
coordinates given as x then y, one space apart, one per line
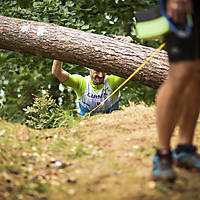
101 158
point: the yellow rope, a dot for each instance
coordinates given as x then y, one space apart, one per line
140 67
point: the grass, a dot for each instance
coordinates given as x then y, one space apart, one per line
102 158
31 161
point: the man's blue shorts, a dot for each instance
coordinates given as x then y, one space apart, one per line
182 49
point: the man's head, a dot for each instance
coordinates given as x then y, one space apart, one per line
97 77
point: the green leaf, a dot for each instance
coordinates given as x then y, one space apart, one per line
85 27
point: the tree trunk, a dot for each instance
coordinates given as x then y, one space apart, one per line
82 48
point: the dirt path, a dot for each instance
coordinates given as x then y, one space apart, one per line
112 160
123 171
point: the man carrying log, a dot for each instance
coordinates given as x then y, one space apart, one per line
93 89
178 99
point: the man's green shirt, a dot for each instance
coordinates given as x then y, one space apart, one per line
78 83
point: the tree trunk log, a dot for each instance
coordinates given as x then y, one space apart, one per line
82 48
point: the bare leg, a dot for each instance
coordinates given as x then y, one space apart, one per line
170 100
191 108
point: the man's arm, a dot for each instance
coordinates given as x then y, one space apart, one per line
58 71
77 82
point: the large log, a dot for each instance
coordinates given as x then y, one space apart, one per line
82 48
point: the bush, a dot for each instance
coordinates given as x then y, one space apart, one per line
45 113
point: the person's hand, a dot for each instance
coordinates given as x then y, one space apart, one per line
178 10
127 39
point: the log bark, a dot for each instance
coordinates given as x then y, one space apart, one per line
82 48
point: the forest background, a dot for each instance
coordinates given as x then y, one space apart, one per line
25 77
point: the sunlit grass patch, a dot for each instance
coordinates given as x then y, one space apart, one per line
33 163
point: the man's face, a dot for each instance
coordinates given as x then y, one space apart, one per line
97 77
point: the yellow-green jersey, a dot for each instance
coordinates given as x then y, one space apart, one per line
89 96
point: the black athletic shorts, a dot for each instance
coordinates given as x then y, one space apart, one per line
180 49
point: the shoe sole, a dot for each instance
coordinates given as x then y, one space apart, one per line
168 178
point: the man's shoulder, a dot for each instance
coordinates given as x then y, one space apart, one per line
77 76
114 81
113 78
75 80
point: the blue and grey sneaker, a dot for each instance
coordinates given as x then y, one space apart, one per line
186 156
163 166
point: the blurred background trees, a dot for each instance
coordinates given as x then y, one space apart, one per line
25 76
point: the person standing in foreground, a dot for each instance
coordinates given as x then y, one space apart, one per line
178 99
93 89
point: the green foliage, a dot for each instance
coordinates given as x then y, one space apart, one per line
135 92
11 112
22 76
45 113
112 17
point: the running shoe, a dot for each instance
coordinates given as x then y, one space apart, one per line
186 156
163 166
